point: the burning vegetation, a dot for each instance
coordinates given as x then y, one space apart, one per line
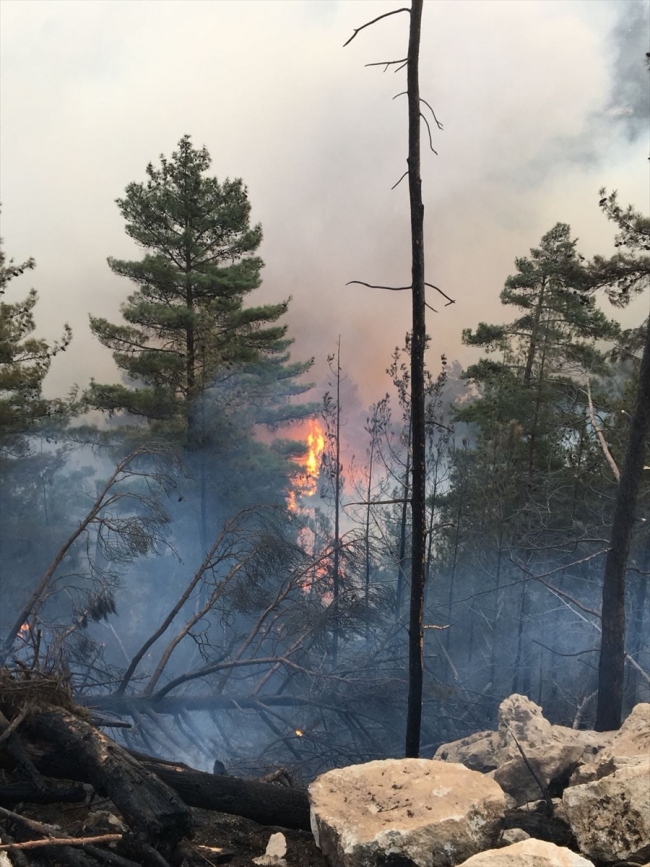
305 482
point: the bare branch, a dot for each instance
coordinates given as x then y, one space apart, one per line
380 502
429 131
449 300
371 286
400 180
7 732
426 304
374 21
62 841
601 438
437 122
387 63
555 589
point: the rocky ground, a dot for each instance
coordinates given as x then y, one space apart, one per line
529 794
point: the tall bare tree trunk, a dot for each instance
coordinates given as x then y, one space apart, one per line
612 647
418 431
401 556
336 569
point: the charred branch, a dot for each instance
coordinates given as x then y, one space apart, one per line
374 21
387 63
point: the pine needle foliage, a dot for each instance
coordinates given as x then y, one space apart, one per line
186 327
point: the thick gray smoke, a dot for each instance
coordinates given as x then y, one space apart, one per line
629 101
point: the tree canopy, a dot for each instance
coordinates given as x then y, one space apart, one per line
186 328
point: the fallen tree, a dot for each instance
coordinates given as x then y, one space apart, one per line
264 803
45 738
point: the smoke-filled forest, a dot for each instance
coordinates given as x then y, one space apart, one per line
219 546
201 550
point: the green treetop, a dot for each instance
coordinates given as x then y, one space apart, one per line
548 351
186 326
24 363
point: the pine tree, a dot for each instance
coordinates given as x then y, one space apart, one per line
623 275
524 493
544 352
24 363
186 327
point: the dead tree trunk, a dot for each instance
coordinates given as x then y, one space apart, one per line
265 803
418 425
612 646
150 807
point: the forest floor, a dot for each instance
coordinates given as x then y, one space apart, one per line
244 838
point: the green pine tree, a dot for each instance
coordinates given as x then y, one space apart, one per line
547 353
24 363
186 328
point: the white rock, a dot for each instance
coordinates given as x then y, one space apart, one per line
104 822
633 738
276 849
626 747
434 813
610 817
554 752
480 751
513 835
528 853
4 858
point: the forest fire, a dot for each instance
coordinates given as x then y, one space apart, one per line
305 483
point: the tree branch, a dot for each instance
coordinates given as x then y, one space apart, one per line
374 21
429 131
400 180
449 300
601 438
372 286
387 63
62 841
405 93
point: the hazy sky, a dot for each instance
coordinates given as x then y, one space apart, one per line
543 102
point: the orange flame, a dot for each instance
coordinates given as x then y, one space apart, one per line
24 628
305 483
299 733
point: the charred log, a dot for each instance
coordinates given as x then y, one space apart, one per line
15 793
148 805
264 803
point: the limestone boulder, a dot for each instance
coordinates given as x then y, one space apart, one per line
624 748
542 769
411 812
513 835
479 752
633 737
610 817
528 853
553 752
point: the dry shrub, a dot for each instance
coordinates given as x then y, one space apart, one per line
34 689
